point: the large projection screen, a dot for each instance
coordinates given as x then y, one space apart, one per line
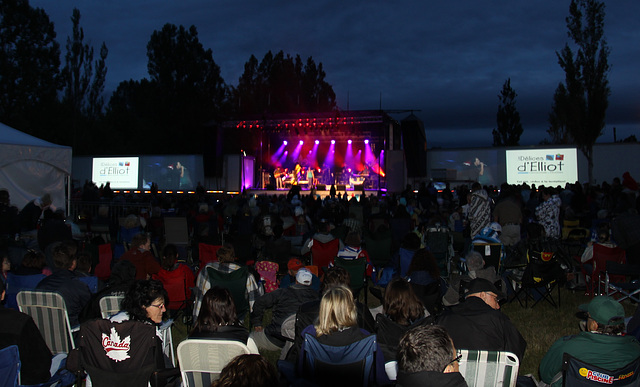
120 172
549 167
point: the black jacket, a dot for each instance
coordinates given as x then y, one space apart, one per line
475 325
17 328
389 333
226 332
76 293
430 378
285 302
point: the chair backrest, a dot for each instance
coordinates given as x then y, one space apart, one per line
207 253
491 253
110 305
357 269
113 353
105 256
577 373
378 246
176 230
17 283
323 254
354 363
9 366
49 312
176 288
406 256
268 274
602 254
489 368
236 282
202 360
92 283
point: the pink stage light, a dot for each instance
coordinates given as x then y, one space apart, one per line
301 142
317 142
285 142
366 141
333 142
349 142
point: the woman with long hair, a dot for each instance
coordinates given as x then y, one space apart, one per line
177 278
218 320
424 276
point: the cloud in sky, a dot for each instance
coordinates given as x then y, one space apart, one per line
447 59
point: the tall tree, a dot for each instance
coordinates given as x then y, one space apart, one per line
558 119
283 84
509 127
190 90
29 66
83 83
586 76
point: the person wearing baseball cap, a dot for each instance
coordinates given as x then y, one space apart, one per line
289 279
602 344
478 323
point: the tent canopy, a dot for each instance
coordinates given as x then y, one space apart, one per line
31 167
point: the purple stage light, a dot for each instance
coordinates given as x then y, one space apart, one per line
285 142
333 142
301 142
317 142
366 141
349 142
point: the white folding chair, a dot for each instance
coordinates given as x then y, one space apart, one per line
110 305
49 312
202 360
489 368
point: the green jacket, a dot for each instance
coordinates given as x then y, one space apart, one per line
608 352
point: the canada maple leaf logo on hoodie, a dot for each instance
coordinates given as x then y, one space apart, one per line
116 349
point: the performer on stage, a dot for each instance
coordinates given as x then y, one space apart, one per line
296 173
310 178
278 174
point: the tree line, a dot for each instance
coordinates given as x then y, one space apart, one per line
180 106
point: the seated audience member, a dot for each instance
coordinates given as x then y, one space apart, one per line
308 312
76 294
144 301
218 320
293 266
33 262
427 357
602 344
476 269
53 228
353 250
225 264
17 328
83 270
140 255
248 371
6 267
337 325
122 276
174 273
284 303
587 256
323 235
402 311
478 323
424 276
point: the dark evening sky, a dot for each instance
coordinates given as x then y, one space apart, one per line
447 59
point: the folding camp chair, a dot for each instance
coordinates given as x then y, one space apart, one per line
577 373
357 269
491 253
17 283
541 277
354 363
202 360
620 281
378 246
92 283
488 368
323 254
49 312
440 243
10 369
602 254
268 275
110 305
236 282
105 256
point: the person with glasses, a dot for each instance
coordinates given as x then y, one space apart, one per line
428 357
144 301
477 322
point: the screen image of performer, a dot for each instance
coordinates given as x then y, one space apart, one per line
185 177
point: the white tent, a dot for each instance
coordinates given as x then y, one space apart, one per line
31 167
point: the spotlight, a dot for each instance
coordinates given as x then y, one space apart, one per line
366 141
333 142
349 142
285 142
317 142
301 142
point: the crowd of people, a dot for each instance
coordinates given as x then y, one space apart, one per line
424 316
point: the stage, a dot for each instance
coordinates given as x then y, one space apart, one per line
321 193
